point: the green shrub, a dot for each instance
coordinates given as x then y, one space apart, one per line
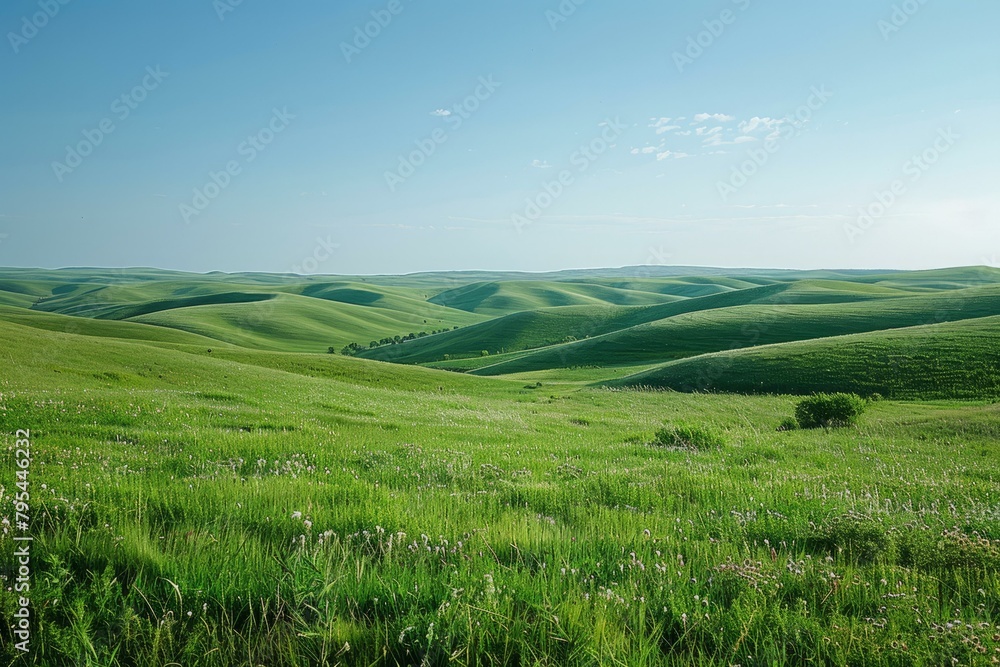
829 410
949 551
690 436
788 424
859 538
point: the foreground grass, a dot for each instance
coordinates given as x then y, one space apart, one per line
247 508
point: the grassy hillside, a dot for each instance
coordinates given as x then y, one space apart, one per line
762 323
411 301
88 358
263 508
951 360
15 299
497 298
685 286
295 323
937 279
519 331
101 328
550 326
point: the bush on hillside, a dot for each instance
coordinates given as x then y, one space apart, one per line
859 538
830 410
690 436
788 424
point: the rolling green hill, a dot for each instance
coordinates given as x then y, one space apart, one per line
549 326
949 360
936 279
101 328
686 286
409 301
518 331
628 318
762 323
295 323
496 298
307 314
90 359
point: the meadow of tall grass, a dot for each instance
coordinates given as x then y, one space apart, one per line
313 514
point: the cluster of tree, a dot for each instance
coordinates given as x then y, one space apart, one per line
356 348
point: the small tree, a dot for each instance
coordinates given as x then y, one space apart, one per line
830 410
352 349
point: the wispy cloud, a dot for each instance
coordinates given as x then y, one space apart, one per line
441 113
540 164
663 125
761 124
721 117
726 130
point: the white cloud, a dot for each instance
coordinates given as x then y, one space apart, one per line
645 150
670 154
540 164
441 113
717 139
721 117
758 123
707 132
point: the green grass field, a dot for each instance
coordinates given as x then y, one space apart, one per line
208 487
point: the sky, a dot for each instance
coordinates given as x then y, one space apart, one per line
395 136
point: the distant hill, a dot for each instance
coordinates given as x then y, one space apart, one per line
782 316
575 326
951 360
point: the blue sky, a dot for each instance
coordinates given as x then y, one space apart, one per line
522 135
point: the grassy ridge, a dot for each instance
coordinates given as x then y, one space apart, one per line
550 326
518 331
302 324
88 358
686 286
950 360
305 316
101 328
721 329
496 298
